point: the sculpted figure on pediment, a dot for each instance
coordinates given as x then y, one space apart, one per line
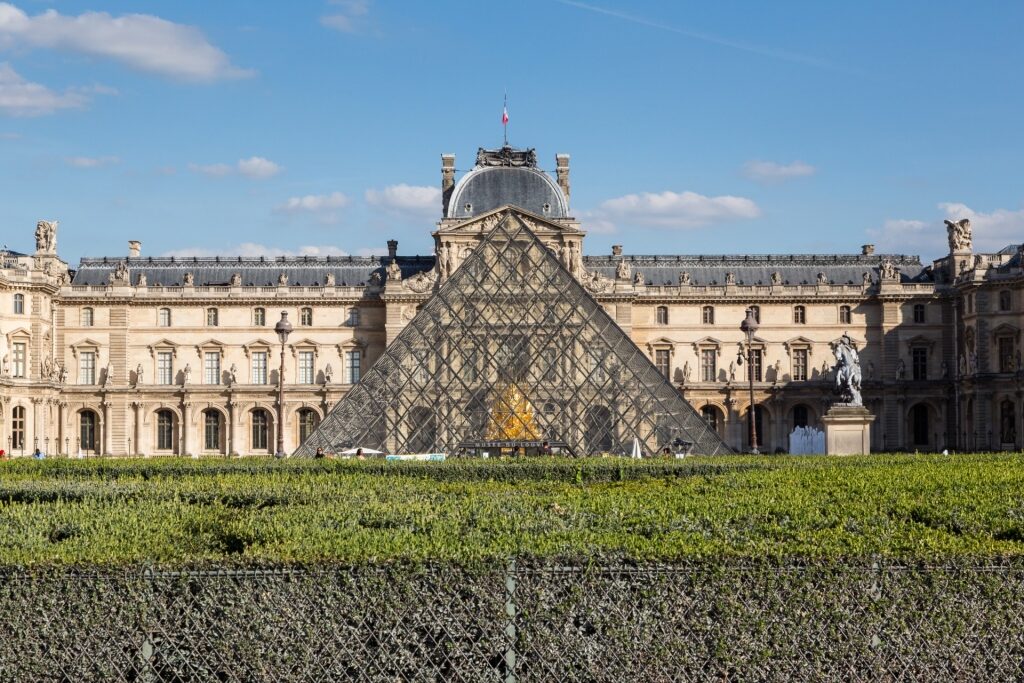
282 279
684 278
638 278
421 282
959 234
46 236
596 283
142 281
730 278
394 271
822 279
888 270
623 270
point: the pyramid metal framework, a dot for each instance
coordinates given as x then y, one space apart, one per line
512 316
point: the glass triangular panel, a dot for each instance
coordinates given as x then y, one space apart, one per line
511 345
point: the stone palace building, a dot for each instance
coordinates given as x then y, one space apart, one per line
133 354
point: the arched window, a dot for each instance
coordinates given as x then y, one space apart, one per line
87 421
164 317
211 430
308 420
18 428
845 315
799 315
1005 300
87 319
306 317
19 304
259 317
662 315
260 430
164 430
756 312
707 315
800 416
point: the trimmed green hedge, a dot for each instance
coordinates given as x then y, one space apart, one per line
246 512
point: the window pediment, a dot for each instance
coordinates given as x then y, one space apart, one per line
256 345
352 344
1006 330
84 345
708 343
799 343
163 345
18 333
661 343
920 340
305 345
209 346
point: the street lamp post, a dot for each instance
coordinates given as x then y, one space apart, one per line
749 327
283 329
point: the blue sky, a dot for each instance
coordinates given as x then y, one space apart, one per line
316 126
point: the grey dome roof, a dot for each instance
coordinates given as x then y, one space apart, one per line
489 187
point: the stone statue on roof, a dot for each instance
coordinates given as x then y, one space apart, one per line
282 279
329 280
776 278
188 280
394 271
959 234
236 280
622 270
888 270
46 236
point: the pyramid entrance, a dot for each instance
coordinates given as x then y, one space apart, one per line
511 349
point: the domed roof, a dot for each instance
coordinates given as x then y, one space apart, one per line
503 177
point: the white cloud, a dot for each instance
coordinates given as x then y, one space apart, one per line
19 97
91 162
671 210
325 207
415 200
771 172
255 250
216 170
992 231
140 41
905 236
258 167
348 18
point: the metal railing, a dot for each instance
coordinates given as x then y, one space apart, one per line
749 622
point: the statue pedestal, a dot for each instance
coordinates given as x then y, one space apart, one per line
847 430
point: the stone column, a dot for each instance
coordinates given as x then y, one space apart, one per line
105 441
186 428
137 431
232 448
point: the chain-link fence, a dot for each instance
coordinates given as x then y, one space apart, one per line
741 622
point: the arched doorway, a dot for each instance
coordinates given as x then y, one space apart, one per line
166 437
1007 423
88 432
803 416
259 434
920 425
308 421
713 416
422 430
213 431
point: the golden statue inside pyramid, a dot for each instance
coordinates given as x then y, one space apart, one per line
512 417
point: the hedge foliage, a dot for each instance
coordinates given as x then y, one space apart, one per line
263 512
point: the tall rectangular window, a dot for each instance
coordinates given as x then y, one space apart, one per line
845 315
259 317
19 304
259 367
164 367
211 367
919 362
211 317
305 367
18 428
597 369
20 359
918 313
755 365
352 360
164 317
1006 355
708 365
87 368
799 364
661 360
708 315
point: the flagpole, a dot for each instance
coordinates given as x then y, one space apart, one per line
504 119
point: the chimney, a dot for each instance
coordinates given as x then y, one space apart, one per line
134 249
867 249
392 248
616 250
562 169
447 180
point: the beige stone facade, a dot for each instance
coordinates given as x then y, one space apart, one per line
139 355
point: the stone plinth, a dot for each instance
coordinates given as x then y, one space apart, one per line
847 430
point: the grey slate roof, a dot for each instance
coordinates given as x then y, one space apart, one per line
306 271
795 269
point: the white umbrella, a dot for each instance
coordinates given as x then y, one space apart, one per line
637 453
366 451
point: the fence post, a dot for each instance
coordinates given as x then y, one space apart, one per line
148 640
510 625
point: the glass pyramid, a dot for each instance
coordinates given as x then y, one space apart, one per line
512 345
